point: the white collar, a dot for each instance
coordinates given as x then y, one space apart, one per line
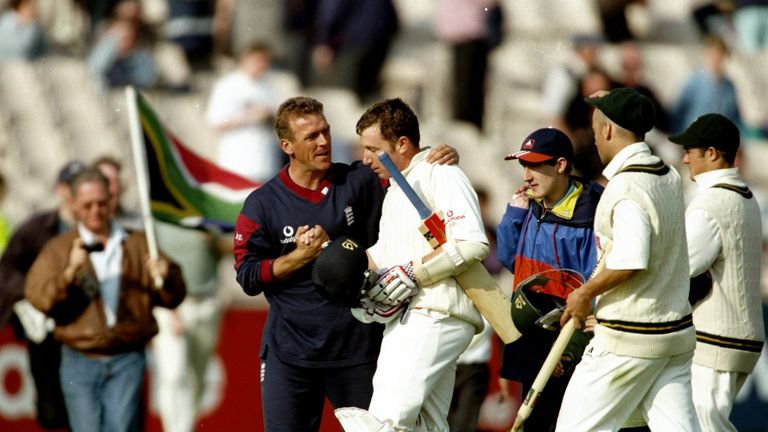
417 158
708 179
620 159
116 233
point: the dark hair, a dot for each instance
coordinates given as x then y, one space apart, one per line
728 156
292 108
395 119
87 175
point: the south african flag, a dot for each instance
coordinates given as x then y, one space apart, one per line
185 188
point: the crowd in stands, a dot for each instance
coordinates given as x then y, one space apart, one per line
229 64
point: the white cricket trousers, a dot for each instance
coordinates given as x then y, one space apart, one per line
606 389
713 395
182 351
413 383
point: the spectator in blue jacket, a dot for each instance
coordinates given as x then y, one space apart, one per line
708 90
21 35
547 231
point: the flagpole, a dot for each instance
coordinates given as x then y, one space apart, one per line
140 163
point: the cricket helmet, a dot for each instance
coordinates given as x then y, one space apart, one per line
535 312
341 273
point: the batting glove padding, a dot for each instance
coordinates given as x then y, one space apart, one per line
371 311
394 286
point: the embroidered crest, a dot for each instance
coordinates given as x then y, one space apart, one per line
528 144
349 215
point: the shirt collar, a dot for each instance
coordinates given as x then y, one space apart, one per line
622 157
708 179
116 232
418 157
566 207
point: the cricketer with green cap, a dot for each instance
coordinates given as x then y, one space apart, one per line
722 225
627 108
640 287
710 130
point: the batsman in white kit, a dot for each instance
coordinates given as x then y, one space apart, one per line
429 319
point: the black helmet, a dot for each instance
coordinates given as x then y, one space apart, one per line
341 273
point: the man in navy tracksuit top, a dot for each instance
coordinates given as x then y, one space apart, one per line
311 347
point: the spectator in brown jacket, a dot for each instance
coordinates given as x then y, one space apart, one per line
97 283
43 349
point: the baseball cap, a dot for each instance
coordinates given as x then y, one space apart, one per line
542 145
627 108
339 273
70 170
710 130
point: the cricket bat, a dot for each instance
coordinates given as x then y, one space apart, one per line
477 283
550 362
544 373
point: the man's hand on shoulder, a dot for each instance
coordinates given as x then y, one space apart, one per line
443 154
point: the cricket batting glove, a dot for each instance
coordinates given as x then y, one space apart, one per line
371 311
395 285
359 420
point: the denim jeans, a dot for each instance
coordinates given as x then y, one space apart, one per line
103 394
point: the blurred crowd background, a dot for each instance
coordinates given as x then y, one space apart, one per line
479 81
481 75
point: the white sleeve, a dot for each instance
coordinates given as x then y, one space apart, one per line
704 242
559 87
454 195
631 237
222 104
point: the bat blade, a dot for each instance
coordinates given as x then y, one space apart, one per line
490 300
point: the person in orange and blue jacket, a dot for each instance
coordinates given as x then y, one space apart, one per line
546 233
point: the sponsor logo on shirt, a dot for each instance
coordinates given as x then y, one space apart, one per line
288 232
452 217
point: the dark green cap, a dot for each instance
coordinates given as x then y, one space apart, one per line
710 130
627 108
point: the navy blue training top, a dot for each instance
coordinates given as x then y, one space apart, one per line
303 328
